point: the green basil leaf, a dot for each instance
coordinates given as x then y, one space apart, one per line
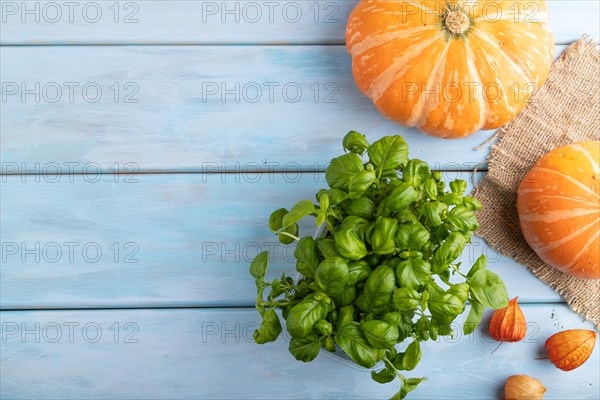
260 289
445 309
347 296
355 142
362 207
406 299
431 189
412 236
416 172
444 276
406 325
285 239
353 342
389 175
324 327
382 210
324 202
434 288
331 276
461 219
409 385
342 169
270 328
422 328
358 271
472 203
389 152
448 251
275 289
357 224
300 210
392 317
349 245
305 349
307 259
458 186
440 326
327 247
320 193
425 296
320 219
454 199
258 266
304 315
446 304
401 395
345 315
433 212
460 290
359 183
328 344
481 263
336 196
380 334
474 317
413 272
390 261
412 356
276 223
383 236
384 376
276 219
406 217
433 330
378 290
488 289
402 197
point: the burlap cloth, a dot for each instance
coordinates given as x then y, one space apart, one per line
566 109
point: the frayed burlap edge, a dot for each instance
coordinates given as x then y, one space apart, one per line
565 110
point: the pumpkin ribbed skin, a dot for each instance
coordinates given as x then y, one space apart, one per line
559 209
424 66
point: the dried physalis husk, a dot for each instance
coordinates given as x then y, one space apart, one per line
569 349
508 324
523 387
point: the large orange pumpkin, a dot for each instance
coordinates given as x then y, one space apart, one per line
450 67
559 209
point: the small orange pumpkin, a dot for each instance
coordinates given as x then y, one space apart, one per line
559 209
450 67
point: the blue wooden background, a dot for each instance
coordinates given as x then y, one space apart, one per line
144 145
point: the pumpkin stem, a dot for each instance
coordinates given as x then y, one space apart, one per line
457 22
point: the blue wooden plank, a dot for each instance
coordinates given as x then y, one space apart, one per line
219 22
168 109
165 240
209 353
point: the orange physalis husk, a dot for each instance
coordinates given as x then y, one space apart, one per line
569 349
523 387
508 324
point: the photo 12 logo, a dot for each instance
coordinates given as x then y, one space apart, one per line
69 331
71 172
269 92
70 92
253 12
71 12
488 11
69 252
